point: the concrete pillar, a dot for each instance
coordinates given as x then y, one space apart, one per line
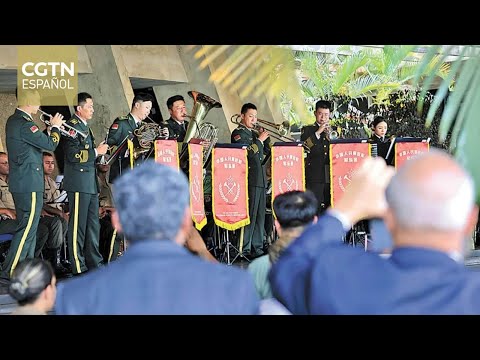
109 86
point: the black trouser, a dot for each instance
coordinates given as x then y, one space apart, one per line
322 193
109 239
28 207
83 237
252 235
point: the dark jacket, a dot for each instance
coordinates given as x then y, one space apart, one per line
25 144
382 148
319 274
177 131
316 161
159 277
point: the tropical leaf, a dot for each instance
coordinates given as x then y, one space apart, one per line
254 70
461 110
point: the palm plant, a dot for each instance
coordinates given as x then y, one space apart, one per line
372 74
460 114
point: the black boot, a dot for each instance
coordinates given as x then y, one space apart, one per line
60 270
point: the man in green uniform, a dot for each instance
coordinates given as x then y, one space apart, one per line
123 126
25 143
252 235
80 182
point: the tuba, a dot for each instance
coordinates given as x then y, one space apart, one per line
197 127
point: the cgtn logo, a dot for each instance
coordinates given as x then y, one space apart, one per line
48 75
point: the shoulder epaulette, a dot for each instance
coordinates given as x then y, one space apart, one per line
74 121
123 117
26 117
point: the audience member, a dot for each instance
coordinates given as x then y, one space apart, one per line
157 275
33 286
294 211
425 274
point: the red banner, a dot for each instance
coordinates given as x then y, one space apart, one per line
288 169
195 174
166 153
345 158
229 188
405 151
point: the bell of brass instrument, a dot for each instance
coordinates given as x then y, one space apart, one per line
276 131
197 127
68 131
202 104
330 133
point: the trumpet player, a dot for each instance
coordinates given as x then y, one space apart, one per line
254 233
25 144
316 137
81 185
123 126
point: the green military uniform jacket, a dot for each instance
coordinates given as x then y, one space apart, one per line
256 153
319 156
25 144
119 130
80 171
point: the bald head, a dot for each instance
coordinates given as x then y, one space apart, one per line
431 192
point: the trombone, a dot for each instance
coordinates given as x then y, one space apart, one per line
71 132
276 131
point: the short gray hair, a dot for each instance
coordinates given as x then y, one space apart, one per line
151 200
442 203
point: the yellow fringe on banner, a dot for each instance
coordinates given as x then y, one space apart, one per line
130 151
155 150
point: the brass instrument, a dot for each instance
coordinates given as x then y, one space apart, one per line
276 131
146 134
197 127
202 104
71 132
330 133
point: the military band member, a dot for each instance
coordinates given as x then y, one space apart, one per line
177 125
123 126
317 162
258 147
80 182
25 142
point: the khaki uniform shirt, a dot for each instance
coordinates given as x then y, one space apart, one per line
105 197
6 196
51 193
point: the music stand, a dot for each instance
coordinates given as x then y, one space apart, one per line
224 233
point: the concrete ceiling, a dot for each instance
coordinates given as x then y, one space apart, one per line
142 83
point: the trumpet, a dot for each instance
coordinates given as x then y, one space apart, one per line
276 131
65 130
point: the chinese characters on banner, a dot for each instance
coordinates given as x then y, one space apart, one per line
166 153
229 188
405 151
345 158
288 169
